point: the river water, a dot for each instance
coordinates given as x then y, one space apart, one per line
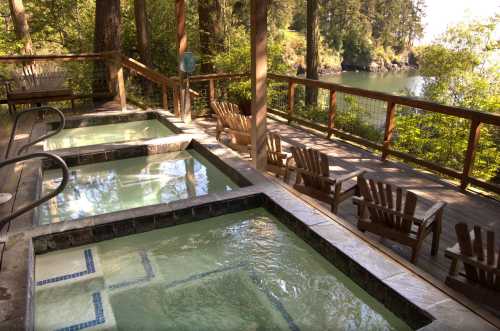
400 82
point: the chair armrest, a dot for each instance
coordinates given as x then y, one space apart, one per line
349 176
429 214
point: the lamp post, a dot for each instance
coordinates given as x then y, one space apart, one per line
187 66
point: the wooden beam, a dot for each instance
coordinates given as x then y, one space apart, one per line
390 123
121 88
474 133
182 46
258 21
332 112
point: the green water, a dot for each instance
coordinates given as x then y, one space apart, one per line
123 184
109 133
242 271
398 82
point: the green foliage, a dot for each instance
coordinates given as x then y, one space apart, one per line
460 69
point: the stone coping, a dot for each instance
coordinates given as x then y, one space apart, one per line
417 301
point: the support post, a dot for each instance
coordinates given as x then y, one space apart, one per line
291 100
258 20
475 132
211 91
177 102
390 123
164 94
117 68
332 112
182 45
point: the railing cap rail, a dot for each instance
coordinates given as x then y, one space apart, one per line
487 118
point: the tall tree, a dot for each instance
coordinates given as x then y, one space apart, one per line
143 44
21 26
107 37
211 32
312 56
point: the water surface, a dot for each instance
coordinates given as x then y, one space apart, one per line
106 187
109 133
394 82
242 271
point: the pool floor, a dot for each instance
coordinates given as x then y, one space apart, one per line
109 133
106 187
241 271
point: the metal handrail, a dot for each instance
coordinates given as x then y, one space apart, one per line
65 178
62 123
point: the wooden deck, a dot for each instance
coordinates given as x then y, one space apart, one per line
462 207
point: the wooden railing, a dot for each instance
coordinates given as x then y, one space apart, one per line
477 119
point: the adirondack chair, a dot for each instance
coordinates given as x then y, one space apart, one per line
278 162
389 212
37 83
313 178
238 129
222 109
480 278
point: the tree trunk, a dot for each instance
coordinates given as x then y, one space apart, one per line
211 32
106 38
21 26
143 45
312 57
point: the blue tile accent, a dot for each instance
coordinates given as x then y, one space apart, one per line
275 302
89 262
99 316
148 269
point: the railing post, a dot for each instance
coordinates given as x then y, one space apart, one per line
474 133
177 104
291 100
390 123
121 88
164 94
332 112
211 94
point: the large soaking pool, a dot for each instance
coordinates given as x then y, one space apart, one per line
108 133
240 271
105 187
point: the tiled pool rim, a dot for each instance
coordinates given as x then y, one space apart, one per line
16 275
404 309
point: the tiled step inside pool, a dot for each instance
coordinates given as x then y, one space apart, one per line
106 187
241 271
108 133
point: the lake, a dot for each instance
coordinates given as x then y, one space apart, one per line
394 82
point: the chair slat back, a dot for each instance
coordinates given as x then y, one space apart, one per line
38 77
315 164
487 269
274 152
223 109
385 204
240 127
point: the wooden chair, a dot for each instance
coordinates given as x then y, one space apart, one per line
278 162
389 212
222 109
480 278
313 178
38 83
239 131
